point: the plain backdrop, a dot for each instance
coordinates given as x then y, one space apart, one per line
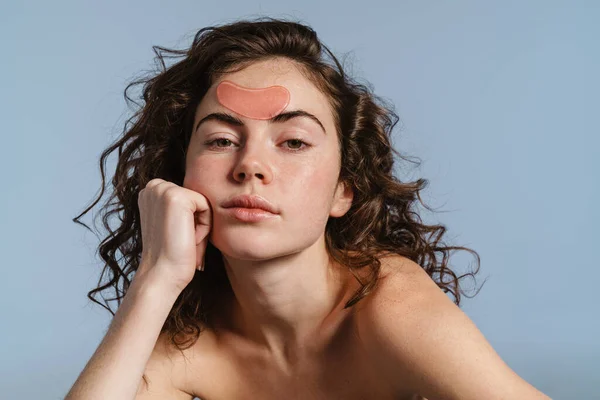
499 100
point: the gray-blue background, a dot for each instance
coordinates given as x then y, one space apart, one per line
499 100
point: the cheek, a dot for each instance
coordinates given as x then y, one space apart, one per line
202 178
310 191
307 210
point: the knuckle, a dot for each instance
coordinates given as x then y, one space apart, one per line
172 195
154 182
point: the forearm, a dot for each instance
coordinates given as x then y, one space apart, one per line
116 367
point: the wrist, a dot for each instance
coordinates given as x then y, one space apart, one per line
148 283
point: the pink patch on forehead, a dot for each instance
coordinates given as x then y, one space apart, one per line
264 103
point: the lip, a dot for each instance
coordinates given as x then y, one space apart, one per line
250 214
250 202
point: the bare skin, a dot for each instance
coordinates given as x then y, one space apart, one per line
225 365
285 332
282 331
349 360
279 269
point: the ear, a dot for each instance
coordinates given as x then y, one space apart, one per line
342 200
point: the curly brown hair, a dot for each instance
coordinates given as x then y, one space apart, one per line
383 217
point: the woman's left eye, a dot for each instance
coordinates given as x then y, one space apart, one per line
298 141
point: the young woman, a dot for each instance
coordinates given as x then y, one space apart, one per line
273 253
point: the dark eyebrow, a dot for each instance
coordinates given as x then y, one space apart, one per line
283 117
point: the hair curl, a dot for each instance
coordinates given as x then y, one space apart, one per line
383 217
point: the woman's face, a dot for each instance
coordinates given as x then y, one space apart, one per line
294 164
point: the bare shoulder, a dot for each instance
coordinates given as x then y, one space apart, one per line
421 339
164 373
402 284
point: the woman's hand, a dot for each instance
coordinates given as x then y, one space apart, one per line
175 225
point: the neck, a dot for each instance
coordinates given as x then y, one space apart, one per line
287 305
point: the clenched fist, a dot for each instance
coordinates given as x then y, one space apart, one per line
175 225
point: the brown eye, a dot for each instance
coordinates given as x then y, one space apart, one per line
297 142
214 143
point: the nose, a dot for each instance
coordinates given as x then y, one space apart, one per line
251 164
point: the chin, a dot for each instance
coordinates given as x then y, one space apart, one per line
244 246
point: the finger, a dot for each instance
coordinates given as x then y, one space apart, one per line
200 252
201 209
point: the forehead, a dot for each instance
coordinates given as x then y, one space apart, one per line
304 95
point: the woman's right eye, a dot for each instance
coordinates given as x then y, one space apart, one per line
214 143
